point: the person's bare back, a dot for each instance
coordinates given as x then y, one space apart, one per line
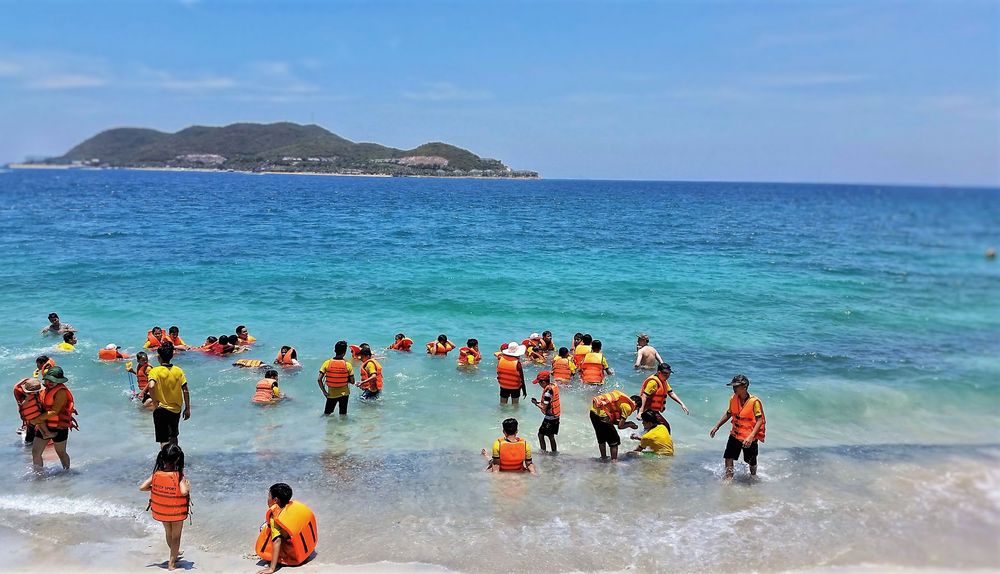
646 356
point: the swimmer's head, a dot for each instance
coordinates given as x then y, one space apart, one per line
442 338
340 348
563 352
174 330
400 336
472 343
509 427
271 374
596 345
586 339
280 493
365 351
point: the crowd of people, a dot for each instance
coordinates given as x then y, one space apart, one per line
48 411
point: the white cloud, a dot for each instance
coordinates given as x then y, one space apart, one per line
163 80
49 71
446 92
66 81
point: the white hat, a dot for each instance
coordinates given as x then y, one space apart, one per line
534 336
514 349
111 346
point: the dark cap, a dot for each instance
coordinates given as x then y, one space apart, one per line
55 375
739 380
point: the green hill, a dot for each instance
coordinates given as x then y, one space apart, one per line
282 146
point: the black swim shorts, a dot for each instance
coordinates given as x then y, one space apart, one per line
735 446
550 427
509 393
166 425
606 432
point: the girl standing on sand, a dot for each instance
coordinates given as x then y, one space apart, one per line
169 496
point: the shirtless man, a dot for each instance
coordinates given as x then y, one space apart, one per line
646 356
56 327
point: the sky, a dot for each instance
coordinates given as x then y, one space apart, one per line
814 91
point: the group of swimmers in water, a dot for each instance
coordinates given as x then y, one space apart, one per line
48 411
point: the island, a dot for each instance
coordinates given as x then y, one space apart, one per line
271 148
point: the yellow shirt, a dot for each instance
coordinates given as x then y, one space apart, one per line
582 349
527 450
332 393
167 390
650 387
624 409
276 531
658 440
64 346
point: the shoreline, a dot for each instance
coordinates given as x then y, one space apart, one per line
36 166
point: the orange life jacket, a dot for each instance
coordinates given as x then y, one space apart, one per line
403 344
592 369
658 400
611 404
550 346
29 405
508 374
436 348
298 522
743 418
560 369
468 356
336 374
142 376
165 499
554 409
64 418
39 373
355 352
152 341
264 392
375 386
285 359
579 353
174 340
512 455
110 355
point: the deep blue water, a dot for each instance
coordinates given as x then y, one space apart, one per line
865 316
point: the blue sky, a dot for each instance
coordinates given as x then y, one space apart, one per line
873 91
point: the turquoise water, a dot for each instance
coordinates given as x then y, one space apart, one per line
866 317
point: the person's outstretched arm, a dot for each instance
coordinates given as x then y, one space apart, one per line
678 400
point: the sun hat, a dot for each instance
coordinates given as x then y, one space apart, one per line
31 386
111 346
55 375
534 336
541 376
514 349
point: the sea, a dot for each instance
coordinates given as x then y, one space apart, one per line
866 317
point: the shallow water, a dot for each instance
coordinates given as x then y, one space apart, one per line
866 317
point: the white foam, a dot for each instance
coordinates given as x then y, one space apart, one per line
60 505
